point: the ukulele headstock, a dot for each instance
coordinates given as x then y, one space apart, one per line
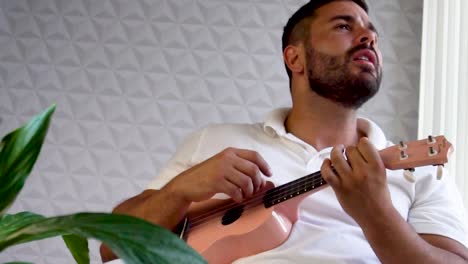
412 154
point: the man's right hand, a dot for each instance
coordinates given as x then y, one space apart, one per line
235 172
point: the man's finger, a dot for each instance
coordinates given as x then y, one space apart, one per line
256 158
369 152
329 175
233 191
355 158
242 182
339 162
250 169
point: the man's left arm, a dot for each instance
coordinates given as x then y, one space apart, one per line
395 241
360 185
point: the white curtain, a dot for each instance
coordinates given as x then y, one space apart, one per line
443 101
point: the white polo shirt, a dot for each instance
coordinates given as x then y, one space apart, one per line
324 233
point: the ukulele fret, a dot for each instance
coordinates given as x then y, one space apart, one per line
288 191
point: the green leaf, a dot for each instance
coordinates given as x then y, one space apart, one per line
78 247
132 239
18 153
17 221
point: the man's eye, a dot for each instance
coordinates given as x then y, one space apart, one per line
344 27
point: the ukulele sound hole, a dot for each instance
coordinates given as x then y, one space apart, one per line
232 215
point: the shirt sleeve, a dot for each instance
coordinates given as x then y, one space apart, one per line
438 208
180 161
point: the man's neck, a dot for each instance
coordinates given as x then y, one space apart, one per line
322 123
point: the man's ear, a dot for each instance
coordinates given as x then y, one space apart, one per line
293 56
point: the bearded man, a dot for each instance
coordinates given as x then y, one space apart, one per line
370 214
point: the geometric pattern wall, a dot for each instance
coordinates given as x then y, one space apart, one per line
132 78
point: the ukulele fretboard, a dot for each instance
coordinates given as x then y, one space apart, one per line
290 190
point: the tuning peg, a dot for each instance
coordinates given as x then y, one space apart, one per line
440 171
402 145
431 139
403 155
432 151
408 174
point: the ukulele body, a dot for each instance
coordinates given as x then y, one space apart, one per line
258 229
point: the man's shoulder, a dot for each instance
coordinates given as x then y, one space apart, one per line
272 125
231 130
214 138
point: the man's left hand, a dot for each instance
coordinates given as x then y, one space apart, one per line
360 181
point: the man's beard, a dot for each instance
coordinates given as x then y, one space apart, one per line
332 79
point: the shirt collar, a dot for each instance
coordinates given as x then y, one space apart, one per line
274 122
274 126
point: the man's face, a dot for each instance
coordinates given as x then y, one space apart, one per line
342 57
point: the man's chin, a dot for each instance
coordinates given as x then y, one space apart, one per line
367 73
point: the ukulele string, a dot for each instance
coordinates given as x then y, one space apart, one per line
274 194
198 224
297 185
254 199
203 222
277 192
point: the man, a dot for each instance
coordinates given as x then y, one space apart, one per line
331 53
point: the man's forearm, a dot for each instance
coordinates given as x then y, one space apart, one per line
160 207
394 241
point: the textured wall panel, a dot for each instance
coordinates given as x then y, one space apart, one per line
132 78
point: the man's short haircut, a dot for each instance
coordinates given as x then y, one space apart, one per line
297 27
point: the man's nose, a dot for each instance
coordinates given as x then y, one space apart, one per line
368 36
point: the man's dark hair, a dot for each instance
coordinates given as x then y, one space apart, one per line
292 34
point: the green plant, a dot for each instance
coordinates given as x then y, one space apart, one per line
132 239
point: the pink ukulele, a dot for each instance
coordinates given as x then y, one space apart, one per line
215 225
